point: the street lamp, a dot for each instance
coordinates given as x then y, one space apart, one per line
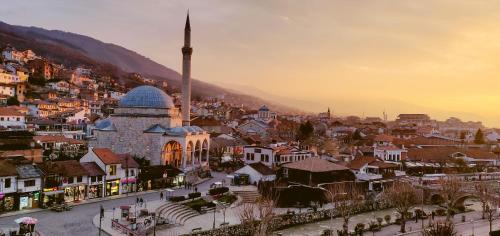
215 209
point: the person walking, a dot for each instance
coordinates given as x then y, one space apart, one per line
161 195
141 201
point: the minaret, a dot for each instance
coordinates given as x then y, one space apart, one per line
186 74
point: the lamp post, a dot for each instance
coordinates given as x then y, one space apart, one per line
154 223
215 209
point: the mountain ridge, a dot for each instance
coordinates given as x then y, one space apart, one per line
128 61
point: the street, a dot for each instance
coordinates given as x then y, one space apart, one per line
78 221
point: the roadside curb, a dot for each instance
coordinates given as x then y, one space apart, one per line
23 212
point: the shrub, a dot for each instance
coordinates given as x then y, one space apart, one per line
441 212
198 204
177 198
228 198
216 191
359 228
380 220
194 195
440 229
387 219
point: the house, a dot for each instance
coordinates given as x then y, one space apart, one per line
374 171
8 185
314 171
71 180
95 180
257 172
29 186
11 118
121 171
275 154
253 127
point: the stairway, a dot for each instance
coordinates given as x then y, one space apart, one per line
176 213
248 196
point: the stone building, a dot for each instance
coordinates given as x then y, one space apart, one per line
147 124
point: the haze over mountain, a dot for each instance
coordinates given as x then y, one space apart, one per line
74 49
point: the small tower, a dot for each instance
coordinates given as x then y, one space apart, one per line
328 113
186 74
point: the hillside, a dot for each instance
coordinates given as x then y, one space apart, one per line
73 49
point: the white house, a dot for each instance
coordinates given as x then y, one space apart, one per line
121 170
257 172
274 155
29 185
12 118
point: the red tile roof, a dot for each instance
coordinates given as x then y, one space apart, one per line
92 169
315 165
107 156
127 161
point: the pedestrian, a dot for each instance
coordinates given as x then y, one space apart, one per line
136 200
161 195
141 201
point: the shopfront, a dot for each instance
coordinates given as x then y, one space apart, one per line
112 187
95 191
29 200
8 202
52 196
74 193
129 185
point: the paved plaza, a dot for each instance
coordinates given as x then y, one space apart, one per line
83 218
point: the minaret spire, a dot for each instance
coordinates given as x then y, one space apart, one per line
186 74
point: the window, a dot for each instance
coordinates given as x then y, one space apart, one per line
252 156
79 179
29 183
71 180
18 119
248 156
7 183
112 170
93 179
99 178
131 173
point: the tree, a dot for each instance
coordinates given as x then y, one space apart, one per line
256 216
483 195
347 198
305 131
479 138
402 196
440 229
12 101
451 188
490 212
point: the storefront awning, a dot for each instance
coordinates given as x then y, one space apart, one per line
53 192
129 180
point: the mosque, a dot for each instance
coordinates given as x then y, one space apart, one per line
147 124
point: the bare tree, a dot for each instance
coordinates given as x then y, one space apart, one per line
247 215
347 198
256 216
483 195
490 211
451 189
402 196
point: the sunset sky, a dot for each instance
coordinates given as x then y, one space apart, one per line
358 57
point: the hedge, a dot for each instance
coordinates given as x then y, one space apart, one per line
216 191
194 195
177 198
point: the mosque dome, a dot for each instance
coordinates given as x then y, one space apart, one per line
146 97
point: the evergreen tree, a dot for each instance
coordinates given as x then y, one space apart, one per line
305 131
479 138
